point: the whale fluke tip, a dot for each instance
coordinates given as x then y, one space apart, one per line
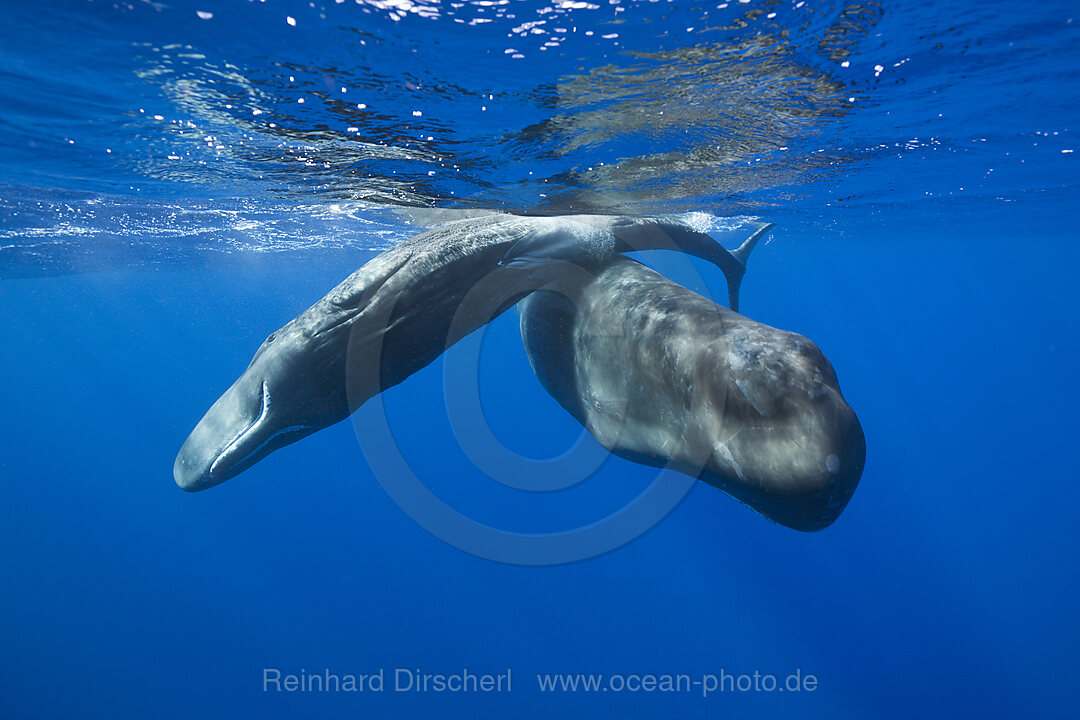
742 254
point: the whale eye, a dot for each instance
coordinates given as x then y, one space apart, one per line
270 339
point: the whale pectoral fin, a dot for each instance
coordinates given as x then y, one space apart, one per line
525 262
550 252
528 273
558 239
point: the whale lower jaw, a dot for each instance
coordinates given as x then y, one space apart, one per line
237 441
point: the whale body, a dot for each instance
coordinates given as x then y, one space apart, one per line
663 376
398 313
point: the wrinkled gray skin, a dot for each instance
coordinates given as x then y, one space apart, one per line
398 313
665 377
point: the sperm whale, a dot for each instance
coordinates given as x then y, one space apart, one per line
663 376
398 313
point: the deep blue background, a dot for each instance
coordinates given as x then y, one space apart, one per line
946 589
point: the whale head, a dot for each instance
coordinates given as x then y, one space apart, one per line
292 388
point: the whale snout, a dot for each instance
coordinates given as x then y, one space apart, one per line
190 472
218 447
830 468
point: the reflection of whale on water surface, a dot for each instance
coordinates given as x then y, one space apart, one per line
663 376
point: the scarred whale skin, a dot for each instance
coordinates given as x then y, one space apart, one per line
663 376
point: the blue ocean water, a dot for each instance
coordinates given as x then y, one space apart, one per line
181 178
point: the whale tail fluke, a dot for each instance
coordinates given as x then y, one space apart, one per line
742 254
689 234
